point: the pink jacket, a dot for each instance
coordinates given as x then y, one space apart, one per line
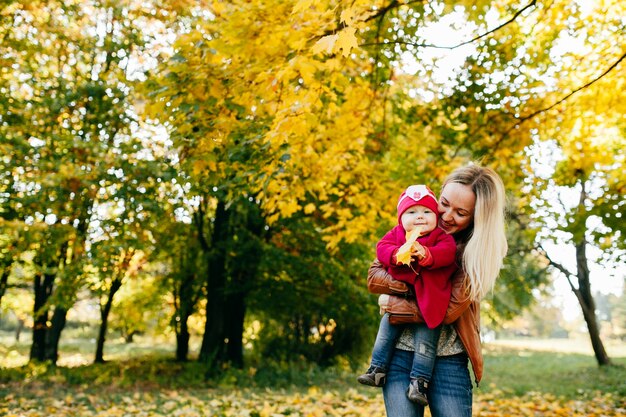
431 283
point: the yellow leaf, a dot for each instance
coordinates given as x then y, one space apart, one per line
346 41
347 16
302 5
403 255
325 44
218 8
306 69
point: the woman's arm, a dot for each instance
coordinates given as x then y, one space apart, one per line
459 299
380 282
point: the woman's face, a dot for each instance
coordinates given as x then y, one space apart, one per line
456 207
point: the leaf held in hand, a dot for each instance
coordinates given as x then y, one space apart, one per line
403 255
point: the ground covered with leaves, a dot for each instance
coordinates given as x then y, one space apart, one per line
39 400
519 381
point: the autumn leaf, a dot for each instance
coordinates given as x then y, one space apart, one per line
343 41
302 5
403 255
346 41
326 44
347 16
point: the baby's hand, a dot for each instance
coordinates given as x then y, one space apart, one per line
417 251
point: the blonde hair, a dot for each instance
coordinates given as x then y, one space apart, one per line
486 246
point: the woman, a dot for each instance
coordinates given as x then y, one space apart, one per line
472 211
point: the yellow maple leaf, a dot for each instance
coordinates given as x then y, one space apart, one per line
346 40
403 255
326 44
347 16
302 5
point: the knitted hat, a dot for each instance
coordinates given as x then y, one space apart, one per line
417 195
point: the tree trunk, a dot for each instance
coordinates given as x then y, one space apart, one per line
212 350
129 337
243 273
228 284
182 342
18 330
588 305
43 290
59 318
236 314
104 320
4 279
186 302
38 345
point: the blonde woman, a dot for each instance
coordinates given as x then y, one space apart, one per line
471 206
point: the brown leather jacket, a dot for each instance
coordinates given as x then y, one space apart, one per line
462 312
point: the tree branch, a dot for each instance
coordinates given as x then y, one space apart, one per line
568 275
611 68
523 119
474 39
512 19
561 268
379 13
383 11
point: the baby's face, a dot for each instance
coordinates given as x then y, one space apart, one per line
421 216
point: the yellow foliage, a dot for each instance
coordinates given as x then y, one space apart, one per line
287 69
302 5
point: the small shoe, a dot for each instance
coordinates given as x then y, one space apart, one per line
417 391
374 377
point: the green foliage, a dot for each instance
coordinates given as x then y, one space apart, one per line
139 308
313 304
524 271
78 180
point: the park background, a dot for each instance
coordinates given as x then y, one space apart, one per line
190 193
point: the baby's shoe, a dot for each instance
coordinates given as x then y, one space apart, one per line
417 391
374 377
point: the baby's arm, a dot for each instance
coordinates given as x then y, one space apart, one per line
442 253
386 249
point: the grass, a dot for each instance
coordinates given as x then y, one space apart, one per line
520 371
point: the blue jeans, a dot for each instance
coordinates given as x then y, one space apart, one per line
425 347
449 391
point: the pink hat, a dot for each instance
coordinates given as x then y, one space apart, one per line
417 195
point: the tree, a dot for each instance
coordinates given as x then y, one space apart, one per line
576 224
186 269
67 123
577 172
118 269
302 123
247 148
313 303
547 75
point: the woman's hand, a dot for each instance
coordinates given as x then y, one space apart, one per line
379 281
